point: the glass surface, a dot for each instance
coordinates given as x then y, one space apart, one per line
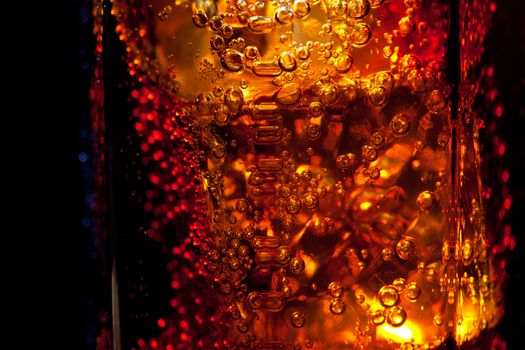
298 174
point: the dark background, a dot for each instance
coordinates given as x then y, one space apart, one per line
56 282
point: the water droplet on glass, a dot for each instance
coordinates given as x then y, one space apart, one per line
261 24
233 99
297 265
343 63
378 317
438 319
388 296
309 200
405 248
301 8
313 131
378 96
443 139
287 61
284 15
399 124
369 153
297 318
378 138
294 205
335 289
360 35
337 306
200 19
406 26
232 60
342 161
215 23
357 8
221 115
397 316
315 109
426 200
242 205
399 284
413 291
387 253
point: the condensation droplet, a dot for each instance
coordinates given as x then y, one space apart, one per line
227 31
287 61
413 291
284 15
301 8
294 205
399 284
405 248
326 28
378 317
337 306
313 131
406 25
251 52
397 316
438 319
388 296
425 200
443 139
284 255
215 23
200 19
343 63
289 94
378 138
467 251
360 35
242 205
387 253
233 99
373 173
399 124
297 265
342 161
261 24
221 115
369 153
232 60
297 318
315 109
335 289
357 8
378 96
309 200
